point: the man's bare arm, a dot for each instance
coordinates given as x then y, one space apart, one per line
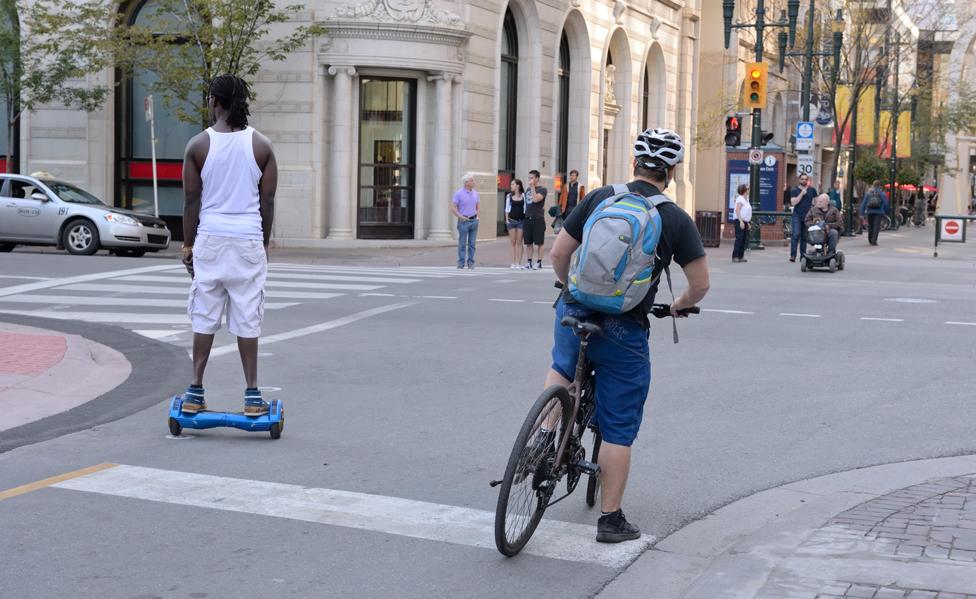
268 186
193 158
560 254
696 272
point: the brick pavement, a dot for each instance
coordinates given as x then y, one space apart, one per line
913 537
30 354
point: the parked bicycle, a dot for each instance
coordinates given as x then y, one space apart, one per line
549 447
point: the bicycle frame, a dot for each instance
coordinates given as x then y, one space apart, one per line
574 390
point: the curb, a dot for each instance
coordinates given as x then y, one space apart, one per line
157 369
730 553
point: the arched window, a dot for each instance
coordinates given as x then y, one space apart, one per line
646 100
9 26
134 145
508 96
562 155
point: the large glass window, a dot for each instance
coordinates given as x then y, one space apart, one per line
507 114
134 143
387 160
562 154
9 24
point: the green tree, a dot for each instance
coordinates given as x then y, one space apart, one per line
186 43
47 48
870 167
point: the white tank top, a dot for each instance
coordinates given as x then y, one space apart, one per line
229 205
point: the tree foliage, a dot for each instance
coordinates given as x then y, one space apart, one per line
49 49
870 168
186 43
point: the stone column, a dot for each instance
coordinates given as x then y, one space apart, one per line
440 222
341 176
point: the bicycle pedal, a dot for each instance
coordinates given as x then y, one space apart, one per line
587 467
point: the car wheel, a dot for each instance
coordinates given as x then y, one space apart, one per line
7 247
130 253
80 238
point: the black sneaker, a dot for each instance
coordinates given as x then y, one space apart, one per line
614 528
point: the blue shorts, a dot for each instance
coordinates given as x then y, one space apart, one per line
622 363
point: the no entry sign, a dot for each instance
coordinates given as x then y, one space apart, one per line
951 230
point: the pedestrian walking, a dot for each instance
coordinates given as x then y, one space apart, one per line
834 194
801 199
515 220
743 218
229 180
466 206
571 194
535 220
874 206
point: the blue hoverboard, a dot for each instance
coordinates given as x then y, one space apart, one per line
273 421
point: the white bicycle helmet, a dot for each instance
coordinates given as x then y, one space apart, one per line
658 148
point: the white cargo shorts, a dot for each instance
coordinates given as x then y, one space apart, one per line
228 273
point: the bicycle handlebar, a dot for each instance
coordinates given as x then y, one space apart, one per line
664 310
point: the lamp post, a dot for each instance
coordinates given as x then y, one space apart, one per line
789 23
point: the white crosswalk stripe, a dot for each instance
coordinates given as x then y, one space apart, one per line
135 298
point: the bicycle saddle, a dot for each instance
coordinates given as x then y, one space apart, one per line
579 326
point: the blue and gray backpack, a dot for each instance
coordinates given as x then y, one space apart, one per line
611 271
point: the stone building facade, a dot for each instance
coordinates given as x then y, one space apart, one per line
375 122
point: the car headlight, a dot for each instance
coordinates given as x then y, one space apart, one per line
120 219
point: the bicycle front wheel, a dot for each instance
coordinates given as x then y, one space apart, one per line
529 482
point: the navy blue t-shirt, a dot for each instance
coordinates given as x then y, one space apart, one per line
805 203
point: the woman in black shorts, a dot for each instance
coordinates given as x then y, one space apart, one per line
514 218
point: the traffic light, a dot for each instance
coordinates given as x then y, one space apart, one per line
754 90
766 137
733 131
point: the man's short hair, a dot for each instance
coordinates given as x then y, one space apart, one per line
534 173
658 175
877 183
742 188
467 177
574 172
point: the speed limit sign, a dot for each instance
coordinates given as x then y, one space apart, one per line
804 165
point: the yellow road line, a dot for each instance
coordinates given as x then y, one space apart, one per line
47 482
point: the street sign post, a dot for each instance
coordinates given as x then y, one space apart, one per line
804 164
151 119
804 135
755 156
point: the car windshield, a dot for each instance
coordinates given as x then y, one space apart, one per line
70 193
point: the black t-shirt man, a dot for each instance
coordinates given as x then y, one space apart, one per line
535 209
680 241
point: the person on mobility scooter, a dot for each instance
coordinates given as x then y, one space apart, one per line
824 226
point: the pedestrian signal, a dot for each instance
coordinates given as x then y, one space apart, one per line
754 89
733 131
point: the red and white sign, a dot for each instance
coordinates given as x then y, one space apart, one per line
951 230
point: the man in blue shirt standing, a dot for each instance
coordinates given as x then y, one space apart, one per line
875 207
801 198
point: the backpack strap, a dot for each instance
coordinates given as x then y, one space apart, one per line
619 188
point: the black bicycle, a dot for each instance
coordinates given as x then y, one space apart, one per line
549 447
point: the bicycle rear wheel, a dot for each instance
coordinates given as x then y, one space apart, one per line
528 483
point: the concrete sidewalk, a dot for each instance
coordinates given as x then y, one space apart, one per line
61 376
905 531
46 372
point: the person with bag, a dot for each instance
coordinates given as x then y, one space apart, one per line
619 300
875 206
515 219
825 212
743 216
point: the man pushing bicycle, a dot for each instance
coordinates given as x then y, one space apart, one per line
621 355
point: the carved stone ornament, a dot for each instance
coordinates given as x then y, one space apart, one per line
399 11
619 8
610 97
655 25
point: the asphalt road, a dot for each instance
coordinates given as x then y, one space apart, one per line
414 390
